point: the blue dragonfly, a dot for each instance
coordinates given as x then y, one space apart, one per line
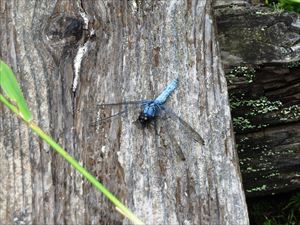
150 110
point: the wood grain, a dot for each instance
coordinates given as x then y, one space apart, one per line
134 48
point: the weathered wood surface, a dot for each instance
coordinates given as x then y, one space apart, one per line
257 35
230 3
132 50
265 103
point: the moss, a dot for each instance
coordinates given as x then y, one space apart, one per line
254 107
242 123
290 113
274 174
263 105
257 106
246 72
261 188
251 112
292 65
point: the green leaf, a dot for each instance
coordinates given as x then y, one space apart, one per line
15 101
12 91
296 1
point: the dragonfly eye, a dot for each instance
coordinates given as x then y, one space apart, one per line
143 119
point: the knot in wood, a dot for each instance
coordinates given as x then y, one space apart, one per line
64 30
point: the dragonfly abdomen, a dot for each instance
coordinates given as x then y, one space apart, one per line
161 99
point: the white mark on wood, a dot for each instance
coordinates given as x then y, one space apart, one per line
82 50
134 6
295 47
85 19
104 149
98 116
186 222
120 158
83 15
92 32
97 121
77 63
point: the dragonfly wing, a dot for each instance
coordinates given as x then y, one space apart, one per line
116 114
123 103
175 145
105 110
187 128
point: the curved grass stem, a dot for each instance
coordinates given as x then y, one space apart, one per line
120 207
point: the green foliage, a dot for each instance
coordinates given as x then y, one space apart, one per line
294 203
276 211
12 91
288 5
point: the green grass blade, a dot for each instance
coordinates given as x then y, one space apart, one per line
9 105
295 1
15 101
123 209
12 91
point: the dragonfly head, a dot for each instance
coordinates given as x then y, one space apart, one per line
148 114
145 119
